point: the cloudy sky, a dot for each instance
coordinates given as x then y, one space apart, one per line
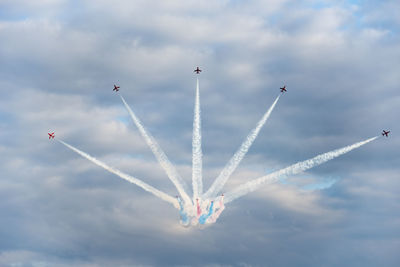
59 60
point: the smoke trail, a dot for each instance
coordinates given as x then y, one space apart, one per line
203 218
160 155
184 217
293 169
196 148
198 208
326 183
230 167
218 212
124 176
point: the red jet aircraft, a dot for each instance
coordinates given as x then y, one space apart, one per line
197 70
283 89
385 133
51 135
116 88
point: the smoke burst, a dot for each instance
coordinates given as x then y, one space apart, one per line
206 208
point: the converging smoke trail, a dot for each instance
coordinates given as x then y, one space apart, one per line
293 169
230 167
160 155
196 148
124 176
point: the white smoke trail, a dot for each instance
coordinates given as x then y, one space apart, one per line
293 169
196 149
127 177
160 155
230 167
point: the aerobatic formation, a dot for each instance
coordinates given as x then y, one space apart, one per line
203 208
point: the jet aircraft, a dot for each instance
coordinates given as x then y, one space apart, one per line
197 70
51 135
283 89
385 133
116 88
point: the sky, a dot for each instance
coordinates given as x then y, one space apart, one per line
59 61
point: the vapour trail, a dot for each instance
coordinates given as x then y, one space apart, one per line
124 176
197 162
230 167
251 186
160 155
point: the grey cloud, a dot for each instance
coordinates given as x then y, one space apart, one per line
59 62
